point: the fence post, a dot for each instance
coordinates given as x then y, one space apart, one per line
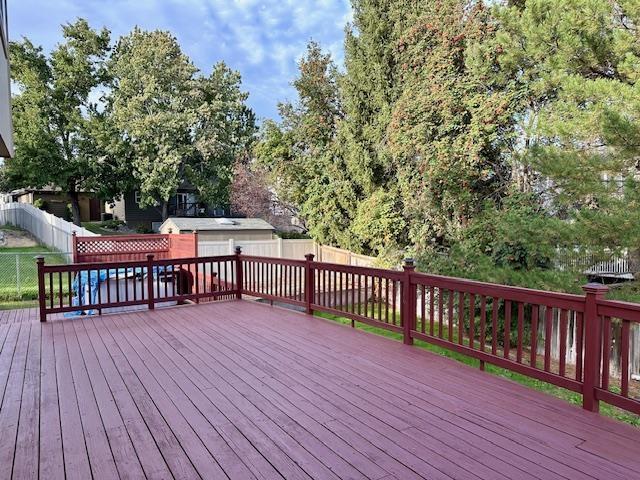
239 279
309 287
408 304
150 297
592 345
18 275
42 301
195 243
74 246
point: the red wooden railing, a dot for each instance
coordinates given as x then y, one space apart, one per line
115 248
510 327
76 288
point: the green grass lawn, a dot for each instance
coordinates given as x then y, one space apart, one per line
562 393
96 227
19 279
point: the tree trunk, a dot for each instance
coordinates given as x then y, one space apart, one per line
165 210
75 207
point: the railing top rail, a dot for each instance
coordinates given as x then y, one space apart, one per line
80 267
619 309
375 272
273 260
123 238
174 261
528 295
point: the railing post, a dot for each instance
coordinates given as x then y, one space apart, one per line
74 246
408 304
592 345
239 279
42 301
150 297
309 287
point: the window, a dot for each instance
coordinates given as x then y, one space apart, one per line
137 197
182 199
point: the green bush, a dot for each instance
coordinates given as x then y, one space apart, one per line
292 235
40 203
143 229
112 224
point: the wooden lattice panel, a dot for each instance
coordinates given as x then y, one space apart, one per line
134 247
114 246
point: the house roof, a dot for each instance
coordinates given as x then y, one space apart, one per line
217 224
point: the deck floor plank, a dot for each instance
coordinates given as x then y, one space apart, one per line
380 401
244 390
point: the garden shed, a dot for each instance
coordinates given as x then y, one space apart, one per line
220 229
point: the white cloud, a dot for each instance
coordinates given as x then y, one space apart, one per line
261 38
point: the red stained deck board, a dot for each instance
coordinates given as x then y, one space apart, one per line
242 390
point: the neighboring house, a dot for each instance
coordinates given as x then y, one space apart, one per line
55 201
220 229
6 127
183 204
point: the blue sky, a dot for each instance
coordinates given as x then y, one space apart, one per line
262 39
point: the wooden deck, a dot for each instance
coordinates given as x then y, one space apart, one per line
243 390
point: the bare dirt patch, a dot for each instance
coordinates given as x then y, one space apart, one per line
10 237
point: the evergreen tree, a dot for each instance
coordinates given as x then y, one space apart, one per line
302 155
577 66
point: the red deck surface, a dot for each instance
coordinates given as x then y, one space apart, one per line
243 390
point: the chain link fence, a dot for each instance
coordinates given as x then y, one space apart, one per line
19 276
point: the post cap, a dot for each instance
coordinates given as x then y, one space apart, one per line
170 231
309 256
40 259
409 262
150 256
74 233
238 250
595 288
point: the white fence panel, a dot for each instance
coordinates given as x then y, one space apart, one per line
45 227
277 248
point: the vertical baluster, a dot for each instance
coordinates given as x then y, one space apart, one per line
507 328
520 331
366 295
51 290
563 342
431 312
386 300
393 284
108 286
380 298
60 288
495 307
460 317
483 321
99 291
534 335
472 320
423 306
606 352
548 319
624 367
440 312
579 344
450 294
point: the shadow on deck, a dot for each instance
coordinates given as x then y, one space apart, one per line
242 390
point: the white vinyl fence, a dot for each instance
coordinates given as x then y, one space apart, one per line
285 248
48 229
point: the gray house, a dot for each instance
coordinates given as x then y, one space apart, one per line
184 203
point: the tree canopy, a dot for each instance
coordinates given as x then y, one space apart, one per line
470 134
138 115
55 117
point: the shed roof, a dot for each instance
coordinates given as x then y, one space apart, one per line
217 224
